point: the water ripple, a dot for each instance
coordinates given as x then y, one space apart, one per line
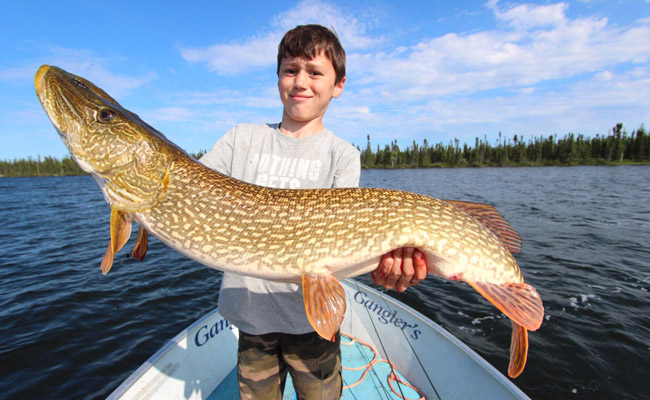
70 332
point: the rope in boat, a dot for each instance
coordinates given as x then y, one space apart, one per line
382 345
392 377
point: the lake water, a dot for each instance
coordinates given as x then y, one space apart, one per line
69 332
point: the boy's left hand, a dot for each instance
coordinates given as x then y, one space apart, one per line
400 269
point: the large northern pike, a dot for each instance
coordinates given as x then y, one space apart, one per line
309 236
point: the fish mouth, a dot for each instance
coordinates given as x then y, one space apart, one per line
40 86
38 79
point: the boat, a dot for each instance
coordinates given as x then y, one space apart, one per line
389 351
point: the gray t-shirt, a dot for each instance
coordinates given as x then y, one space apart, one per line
262 155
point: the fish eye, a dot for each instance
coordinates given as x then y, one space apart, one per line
105 115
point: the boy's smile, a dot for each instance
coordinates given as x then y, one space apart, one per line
306 88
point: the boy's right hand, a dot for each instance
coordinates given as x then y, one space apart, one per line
400 269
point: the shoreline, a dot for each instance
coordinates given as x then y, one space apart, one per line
434 166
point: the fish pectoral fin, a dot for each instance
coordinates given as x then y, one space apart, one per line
107 261
518 350
493 220
120 233
519 301
324 303
141 244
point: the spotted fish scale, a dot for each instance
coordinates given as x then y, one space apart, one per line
281 234
311 236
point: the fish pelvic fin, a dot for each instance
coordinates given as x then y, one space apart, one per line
518 350
121 222
141 244
324 303
493 220
519 301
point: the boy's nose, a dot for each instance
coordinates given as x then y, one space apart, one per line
301 80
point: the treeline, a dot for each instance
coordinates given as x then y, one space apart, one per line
616 147
45 166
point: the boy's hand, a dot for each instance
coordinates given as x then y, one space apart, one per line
400 269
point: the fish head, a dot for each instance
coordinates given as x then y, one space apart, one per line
129 159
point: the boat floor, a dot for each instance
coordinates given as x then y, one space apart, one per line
365 376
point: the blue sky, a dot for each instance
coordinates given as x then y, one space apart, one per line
423 69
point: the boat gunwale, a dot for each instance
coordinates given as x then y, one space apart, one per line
352 284
459 344
154 358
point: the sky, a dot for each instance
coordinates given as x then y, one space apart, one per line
435 69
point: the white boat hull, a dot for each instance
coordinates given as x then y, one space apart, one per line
197 360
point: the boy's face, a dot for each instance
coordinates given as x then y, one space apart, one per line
307 86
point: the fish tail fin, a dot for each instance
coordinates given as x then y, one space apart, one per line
519 301
324 298
121 222
518 350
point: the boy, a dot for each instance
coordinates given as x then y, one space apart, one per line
275 335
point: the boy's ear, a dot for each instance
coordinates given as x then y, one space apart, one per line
338 88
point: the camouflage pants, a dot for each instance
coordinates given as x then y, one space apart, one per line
313 362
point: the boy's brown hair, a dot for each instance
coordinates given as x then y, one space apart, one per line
308 41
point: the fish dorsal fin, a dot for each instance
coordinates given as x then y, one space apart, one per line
141 244
120 233
518 350
493 220
324 303
519 301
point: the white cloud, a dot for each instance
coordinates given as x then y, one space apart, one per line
605 76
261 50
589 106
535 71
352 32
92 67
540 43
235 58
463 64
528 16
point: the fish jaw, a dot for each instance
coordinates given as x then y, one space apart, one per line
38 78
129 159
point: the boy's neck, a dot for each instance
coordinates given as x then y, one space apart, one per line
299 130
